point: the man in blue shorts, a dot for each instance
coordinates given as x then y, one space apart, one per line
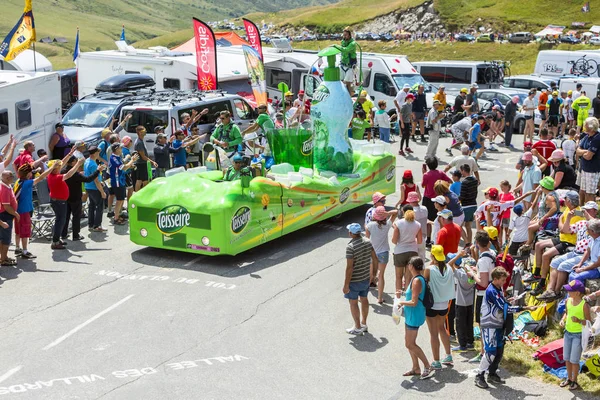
359 255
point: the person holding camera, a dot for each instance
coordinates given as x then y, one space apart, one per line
433 120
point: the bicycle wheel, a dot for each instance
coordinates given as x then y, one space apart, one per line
488 75
592 67
580 67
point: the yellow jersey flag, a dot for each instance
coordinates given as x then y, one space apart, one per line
21 36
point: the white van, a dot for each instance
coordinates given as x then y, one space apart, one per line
30 106
556 63
591 86
457 74
165 109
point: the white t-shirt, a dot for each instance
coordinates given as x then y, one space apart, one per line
530 105
379 235
520 226
381 119
566 106
369 215
463 159
407 240
401 98
576 94
485 264
421 217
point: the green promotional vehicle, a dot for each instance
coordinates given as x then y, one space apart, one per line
317 175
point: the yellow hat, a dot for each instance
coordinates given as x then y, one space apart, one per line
464 90
570 92
437 252
289 93
364 93
52 163
555 93
491 231
105 132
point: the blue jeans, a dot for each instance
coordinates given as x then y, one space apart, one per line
572 347
384 134
95 208
583 276
60 212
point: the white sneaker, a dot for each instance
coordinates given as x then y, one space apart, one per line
364 328
354 331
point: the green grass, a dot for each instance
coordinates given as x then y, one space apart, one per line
522 56
518 360
334 17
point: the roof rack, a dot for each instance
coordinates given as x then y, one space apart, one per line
174 97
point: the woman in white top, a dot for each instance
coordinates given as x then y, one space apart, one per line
406 237
421 217
529 111
378 231
441 282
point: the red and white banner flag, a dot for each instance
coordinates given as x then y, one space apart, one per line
253 35
206 56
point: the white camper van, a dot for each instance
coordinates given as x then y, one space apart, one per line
591 86
456 75
30 106
557 63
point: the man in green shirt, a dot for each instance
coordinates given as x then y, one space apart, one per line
227 135
234 171
263 122
348 62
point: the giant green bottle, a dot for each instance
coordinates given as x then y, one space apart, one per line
331 112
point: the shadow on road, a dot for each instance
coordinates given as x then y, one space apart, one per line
368 343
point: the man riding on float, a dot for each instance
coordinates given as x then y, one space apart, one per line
349 59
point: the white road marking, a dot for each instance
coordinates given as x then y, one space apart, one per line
187 264
89 321
10 373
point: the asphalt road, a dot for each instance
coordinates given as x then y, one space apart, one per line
110 319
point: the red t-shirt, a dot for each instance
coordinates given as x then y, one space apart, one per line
7 196
504 197
430 178
58 187
545 147
23 158
542 101
449 237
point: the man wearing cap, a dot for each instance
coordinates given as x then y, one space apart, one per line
510 112
162 151
561 267
547 249
468 199
79 147
227 135
542 104
554 107
401 97
433 120
117 179
406 123
349 60
234 171
441 96
459 101
59 144
589 266
359 256
450 233
582 105
95 192
464 158
472 104
418 110
440 204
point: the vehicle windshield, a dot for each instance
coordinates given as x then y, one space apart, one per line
411 79
90 115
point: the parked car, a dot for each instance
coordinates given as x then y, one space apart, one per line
387 37
528 82
484 37
464 37
373 36
520 37
595 41
361 36
569 40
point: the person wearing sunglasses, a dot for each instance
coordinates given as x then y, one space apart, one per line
234 172
227 135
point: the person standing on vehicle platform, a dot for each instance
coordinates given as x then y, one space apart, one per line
349 59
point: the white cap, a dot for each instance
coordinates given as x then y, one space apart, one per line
406 86
440 200
474 85
590 205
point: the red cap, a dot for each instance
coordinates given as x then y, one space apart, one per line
407 174
410 96
527 144
493 193
300 91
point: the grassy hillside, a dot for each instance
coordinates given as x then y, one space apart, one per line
100 20
502 14
334 17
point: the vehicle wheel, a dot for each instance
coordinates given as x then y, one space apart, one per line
520 127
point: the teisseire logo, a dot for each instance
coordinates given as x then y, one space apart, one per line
240 219
320 94
307 146
172 219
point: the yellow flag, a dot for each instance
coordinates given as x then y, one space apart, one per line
21 36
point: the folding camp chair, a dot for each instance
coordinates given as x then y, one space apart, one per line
43 217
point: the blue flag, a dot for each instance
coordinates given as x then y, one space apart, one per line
76 50
123 33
